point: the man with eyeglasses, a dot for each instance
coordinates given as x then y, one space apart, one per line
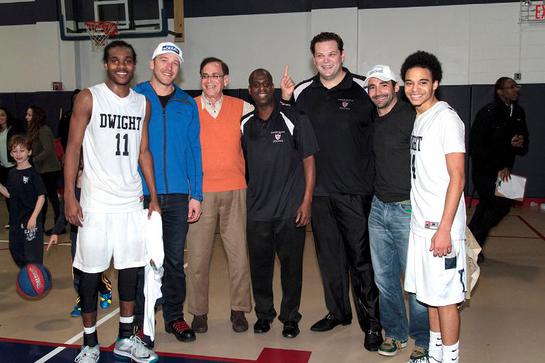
224 187
176 148
497 135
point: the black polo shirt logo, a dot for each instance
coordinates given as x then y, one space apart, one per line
345 103
277 136
26 179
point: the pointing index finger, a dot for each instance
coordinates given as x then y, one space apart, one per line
286 70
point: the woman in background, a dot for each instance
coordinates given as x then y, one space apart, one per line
43 155
8 127
64 121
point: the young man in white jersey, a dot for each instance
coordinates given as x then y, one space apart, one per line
110 125
436 252
390 216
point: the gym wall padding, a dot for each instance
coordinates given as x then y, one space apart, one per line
466 100
476 41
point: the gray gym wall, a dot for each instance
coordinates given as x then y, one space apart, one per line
476 41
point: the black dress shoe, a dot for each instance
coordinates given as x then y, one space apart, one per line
291 329
373 340
328 323
181 330
262 326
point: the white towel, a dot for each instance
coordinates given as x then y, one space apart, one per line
473 270
154 269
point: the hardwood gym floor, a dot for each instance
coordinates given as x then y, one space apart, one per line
503 321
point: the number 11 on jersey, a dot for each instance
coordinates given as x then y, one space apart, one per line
125 138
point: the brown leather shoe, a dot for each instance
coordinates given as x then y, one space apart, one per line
200 324
240 324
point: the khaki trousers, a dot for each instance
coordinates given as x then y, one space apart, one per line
229 209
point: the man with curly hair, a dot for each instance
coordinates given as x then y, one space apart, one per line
436 253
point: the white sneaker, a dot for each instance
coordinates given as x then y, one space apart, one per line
88 354
135 349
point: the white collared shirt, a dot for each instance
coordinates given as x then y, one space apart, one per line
214 109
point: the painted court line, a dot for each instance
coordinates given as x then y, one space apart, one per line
532 228
517 237
45 242
75 338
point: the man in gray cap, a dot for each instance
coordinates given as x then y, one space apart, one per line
176 148
390 217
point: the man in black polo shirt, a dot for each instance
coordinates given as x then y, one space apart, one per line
390 217
278 144
341 115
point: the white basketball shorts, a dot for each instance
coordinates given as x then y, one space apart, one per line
107 235
436 281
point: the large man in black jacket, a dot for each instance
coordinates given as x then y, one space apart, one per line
498 133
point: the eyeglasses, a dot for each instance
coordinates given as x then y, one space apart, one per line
214 76
513 86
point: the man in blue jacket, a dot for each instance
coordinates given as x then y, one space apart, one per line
175 145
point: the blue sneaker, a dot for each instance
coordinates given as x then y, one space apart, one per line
76 312
106 300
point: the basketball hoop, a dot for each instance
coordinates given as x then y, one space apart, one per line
100 31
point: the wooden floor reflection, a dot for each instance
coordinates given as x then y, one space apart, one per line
503 322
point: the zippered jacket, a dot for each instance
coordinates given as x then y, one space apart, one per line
174 142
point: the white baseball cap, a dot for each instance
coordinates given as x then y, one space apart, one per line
166 48
382 72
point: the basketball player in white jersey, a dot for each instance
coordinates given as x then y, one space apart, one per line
436 252
110 125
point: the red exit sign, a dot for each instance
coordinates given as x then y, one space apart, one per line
539 13
532 11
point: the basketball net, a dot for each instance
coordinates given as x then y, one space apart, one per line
99 32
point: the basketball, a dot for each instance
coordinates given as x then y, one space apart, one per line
33 281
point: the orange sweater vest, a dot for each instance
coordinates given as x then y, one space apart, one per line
222 158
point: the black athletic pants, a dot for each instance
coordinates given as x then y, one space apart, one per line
51 182
339 225
283 238
490 210
26 246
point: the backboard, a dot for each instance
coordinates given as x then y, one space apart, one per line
134 18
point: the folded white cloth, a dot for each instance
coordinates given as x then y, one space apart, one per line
473 270
154 268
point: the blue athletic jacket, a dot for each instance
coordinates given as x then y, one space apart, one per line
174 140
